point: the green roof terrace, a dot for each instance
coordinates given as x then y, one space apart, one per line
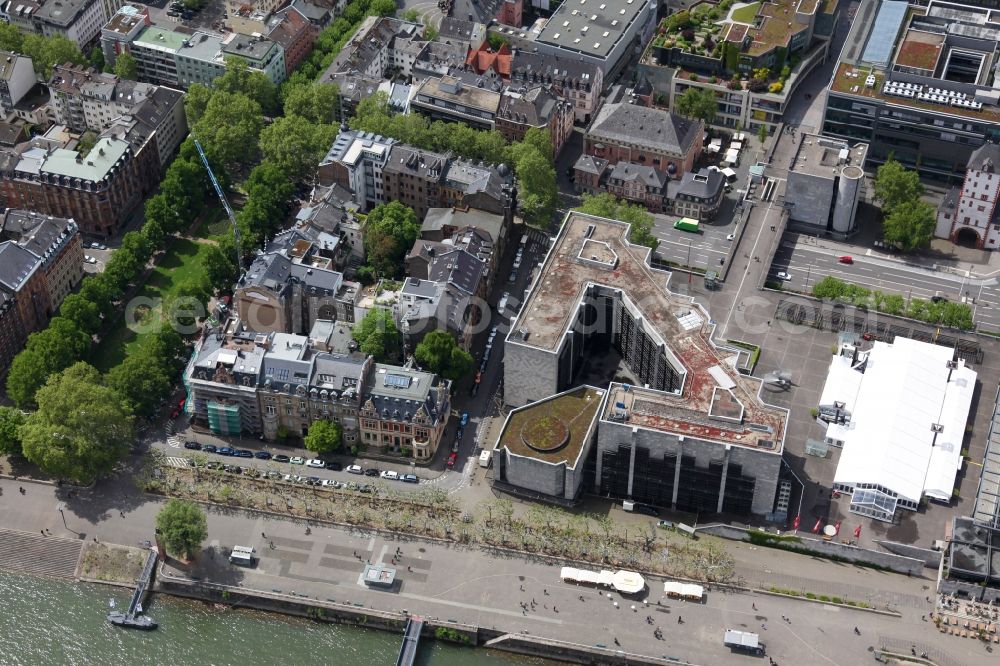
555 429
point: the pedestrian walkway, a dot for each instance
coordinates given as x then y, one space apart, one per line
38 554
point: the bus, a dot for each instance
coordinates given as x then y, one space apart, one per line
686 224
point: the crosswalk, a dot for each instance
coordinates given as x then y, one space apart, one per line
174 461
175 442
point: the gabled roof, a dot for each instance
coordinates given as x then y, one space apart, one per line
590 164
484 57
629 172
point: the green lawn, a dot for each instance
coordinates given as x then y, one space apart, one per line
746 14
214 224
182 261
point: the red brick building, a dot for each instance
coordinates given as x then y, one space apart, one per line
659 139
290 28
510 12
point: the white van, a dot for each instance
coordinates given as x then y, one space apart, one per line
485 458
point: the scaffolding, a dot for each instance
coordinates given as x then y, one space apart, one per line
224 418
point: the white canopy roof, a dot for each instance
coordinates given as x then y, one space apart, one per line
683 589
906 390
626 582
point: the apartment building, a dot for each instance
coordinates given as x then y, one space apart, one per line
447 98
41 261
119 32
17 78
290 29
372 49
404 411
79 21
577 81
100 189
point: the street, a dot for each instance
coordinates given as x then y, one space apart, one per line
808 260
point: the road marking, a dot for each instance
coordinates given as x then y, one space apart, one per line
177 462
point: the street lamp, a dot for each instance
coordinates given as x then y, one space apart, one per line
60 507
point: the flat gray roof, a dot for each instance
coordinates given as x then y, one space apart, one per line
592 27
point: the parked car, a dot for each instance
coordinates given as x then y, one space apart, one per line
313 480
410 478
513 277
330 483
452 459
731 236
316 462
262 455
281 458
335 466
465 419
226 451
665 524
209 448
297 460
390 475
289 478
244 453
194 446
783 275
213 465
372 471
354 469
846 259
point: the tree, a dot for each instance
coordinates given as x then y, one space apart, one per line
10 422
141 382
910 225
540 139
96 59
537 179
382 8
239 79
229 129
126 66
182 526
46 52
324 437
389 234
378 336
316 102
894 185
439 353
81 429
47 352
82 312
296 145
698 103
11 38
411 15
220 267
762 133
602 205
196 101
152 231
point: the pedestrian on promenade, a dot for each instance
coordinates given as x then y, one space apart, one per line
554 609
616 641
754 606
42 531
22 490
263 536
545 592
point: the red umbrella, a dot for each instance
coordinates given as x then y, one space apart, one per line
837 527
857 532
819 521
795 523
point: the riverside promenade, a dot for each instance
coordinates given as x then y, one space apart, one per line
442 582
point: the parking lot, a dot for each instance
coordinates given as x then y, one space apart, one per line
208 18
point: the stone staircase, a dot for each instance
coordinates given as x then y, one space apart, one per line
37 554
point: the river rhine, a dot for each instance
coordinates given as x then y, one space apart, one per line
47 622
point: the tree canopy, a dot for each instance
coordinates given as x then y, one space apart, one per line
910 225
377 336
182 527
229 129
895 185
324 437
47 352
10 421
296 145
439 353
390 232
239 79
126 66
316 102
81 429
698 103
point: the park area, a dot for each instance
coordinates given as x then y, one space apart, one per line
182 263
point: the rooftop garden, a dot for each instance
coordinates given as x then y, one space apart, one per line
555 429
696 31
920 50
746 13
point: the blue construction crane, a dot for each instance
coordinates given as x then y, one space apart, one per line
225 204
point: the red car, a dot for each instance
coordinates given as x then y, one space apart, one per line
846 259
452 457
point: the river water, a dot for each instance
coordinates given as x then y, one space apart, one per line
46 622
